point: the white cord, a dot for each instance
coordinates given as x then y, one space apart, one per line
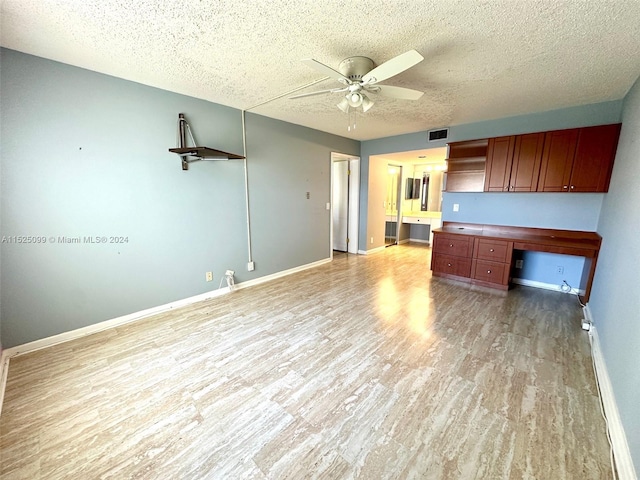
606 421
230 282
576 294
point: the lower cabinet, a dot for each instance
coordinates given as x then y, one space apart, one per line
456 266
451 255
494 273
473 259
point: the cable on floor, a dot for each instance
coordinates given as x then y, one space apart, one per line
571 291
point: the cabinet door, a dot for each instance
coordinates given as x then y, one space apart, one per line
594 157
450 265
458 245
557 159
499 157
492 250
526 163
490 272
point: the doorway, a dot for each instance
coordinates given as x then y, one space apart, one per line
345 193
392 204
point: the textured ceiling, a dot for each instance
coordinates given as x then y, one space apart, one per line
483 59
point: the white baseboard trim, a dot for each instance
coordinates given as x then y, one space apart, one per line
621 452
373 250
4 373
104 325
587 313
419 240
132 317
8 353
284 273
546 286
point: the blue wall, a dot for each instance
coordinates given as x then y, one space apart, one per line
86 154
615 302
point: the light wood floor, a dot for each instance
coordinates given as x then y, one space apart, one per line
365 367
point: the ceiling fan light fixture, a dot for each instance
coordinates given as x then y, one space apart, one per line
355 99
344 105
359 76
366 103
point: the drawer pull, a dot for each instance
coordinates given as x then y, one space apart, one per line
491 250
488 271
448 264
451 244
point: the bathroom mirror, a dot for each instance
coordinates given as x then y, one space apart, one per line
428 179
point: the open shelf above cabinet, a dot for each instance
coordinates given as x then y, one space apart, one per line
466 166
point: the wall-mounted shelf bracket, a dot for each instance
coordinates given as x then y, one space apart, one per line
196 154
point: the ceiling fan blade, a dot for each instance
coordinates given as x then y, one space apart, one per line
320 92
392 67
398 92
328 71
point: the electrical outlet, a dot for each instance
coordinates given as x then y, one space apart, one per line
456 207
229 273
519 263
209 276
372 240
560 270
251 266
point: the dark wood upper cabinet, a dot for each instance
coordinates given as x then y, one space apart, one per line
527 157
579 160
594 157
557 160
513 163
499 160
572 160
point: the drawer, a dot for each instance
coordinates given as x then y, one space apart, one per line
458 266
458 245
418 220
491 272
492 250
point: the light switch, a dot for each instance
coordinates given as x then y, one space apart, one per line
456 207
328 206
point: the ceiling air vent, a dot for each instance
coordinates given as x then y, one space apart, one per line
435 135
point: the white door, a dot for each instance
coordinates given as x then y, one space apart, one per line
340 201
354 204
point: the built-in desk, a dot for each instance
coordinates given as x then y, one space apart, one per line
483 254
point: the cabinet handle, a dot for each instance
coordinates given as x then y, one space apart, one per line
488 271
565 187
491 250
448 264
451 244
572 187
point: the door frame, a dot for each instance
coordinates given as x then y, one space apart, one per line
353 214
399 189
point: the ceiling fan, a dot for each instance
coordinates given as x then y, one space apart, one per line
360 78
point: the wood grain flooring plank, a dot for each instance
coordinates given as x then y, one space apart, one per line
364 367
